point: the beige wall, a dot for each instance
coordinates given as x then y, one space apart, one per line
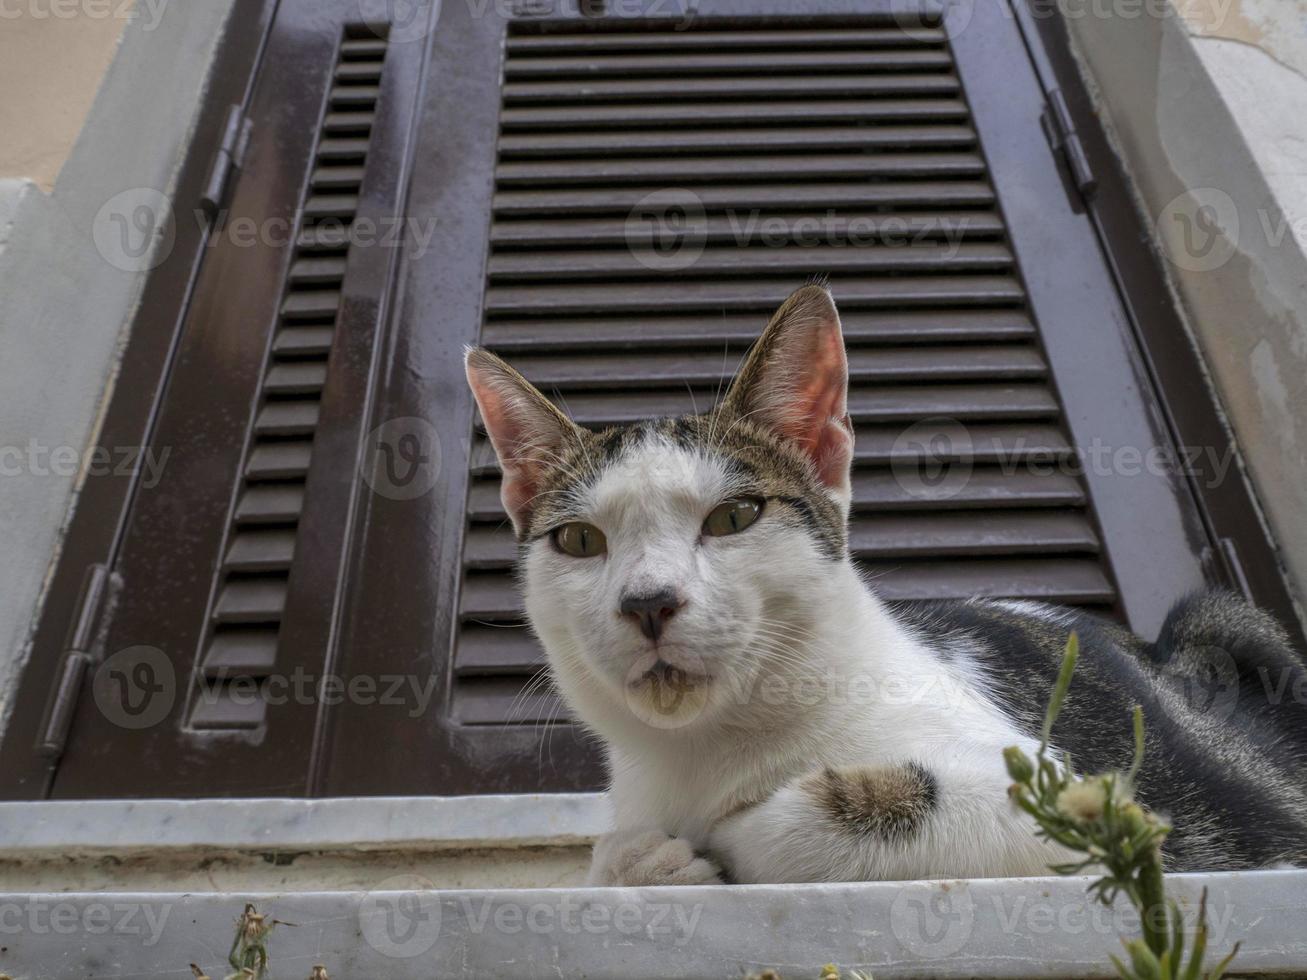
65 302
53 54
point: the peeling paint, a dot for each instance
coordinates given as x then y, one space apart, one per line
1277 27
1275 397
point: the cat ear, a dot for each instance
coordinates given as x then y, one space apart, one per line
795 382
525 428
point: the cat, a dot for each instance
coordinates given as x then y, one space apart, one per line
767 718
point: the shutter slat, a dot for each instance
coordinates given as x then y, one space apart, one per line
295 378
1078 581
907 403
1005 443
726 113
325 237
981 487
225 706
944 535
490 598
279 460
797 138
899 228
875 365
650 64
672 170
739 330
337 206
523 46
241 652
556 266
347 123
354 96
264 504
257 600
496 700
358 71
489 650
343 149
489 546
587 298
287 418
303 340
744 198
337 178
261 551
314 271
673 90
310 304
374 49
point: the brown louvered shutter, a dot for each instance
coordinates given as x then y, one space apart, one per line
655 200
633 199
221 595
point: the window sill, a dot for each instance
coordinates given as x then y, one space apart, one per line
280 845
362 823
1015 927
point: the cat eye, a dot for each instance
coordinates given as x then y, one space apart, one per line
732 516
580 540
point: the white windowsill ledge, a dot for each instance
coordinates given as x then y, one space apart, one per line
1013 927
354 823
361 922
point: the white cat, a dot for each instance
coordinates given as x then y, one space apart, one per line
766 717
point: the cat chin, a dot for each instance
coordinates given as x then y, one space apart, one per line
651 693
670 702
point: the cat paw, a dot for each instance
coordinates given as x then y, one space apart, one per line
650 858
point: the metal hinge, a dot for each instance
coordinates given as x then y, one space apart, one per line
77 656
1061 134
228 159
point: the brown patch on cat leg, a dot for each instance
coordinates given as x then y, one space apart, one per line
889 802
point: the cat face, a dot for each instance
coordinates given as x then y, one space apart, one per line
662 560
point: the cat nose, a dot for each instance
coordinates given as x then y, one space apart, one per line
651 611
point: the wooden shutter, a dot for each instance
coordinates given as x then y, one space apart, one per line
261 536
987 338
658 192
222 592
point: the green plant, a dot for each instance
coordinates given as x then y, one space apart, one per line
249 948
1098 817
